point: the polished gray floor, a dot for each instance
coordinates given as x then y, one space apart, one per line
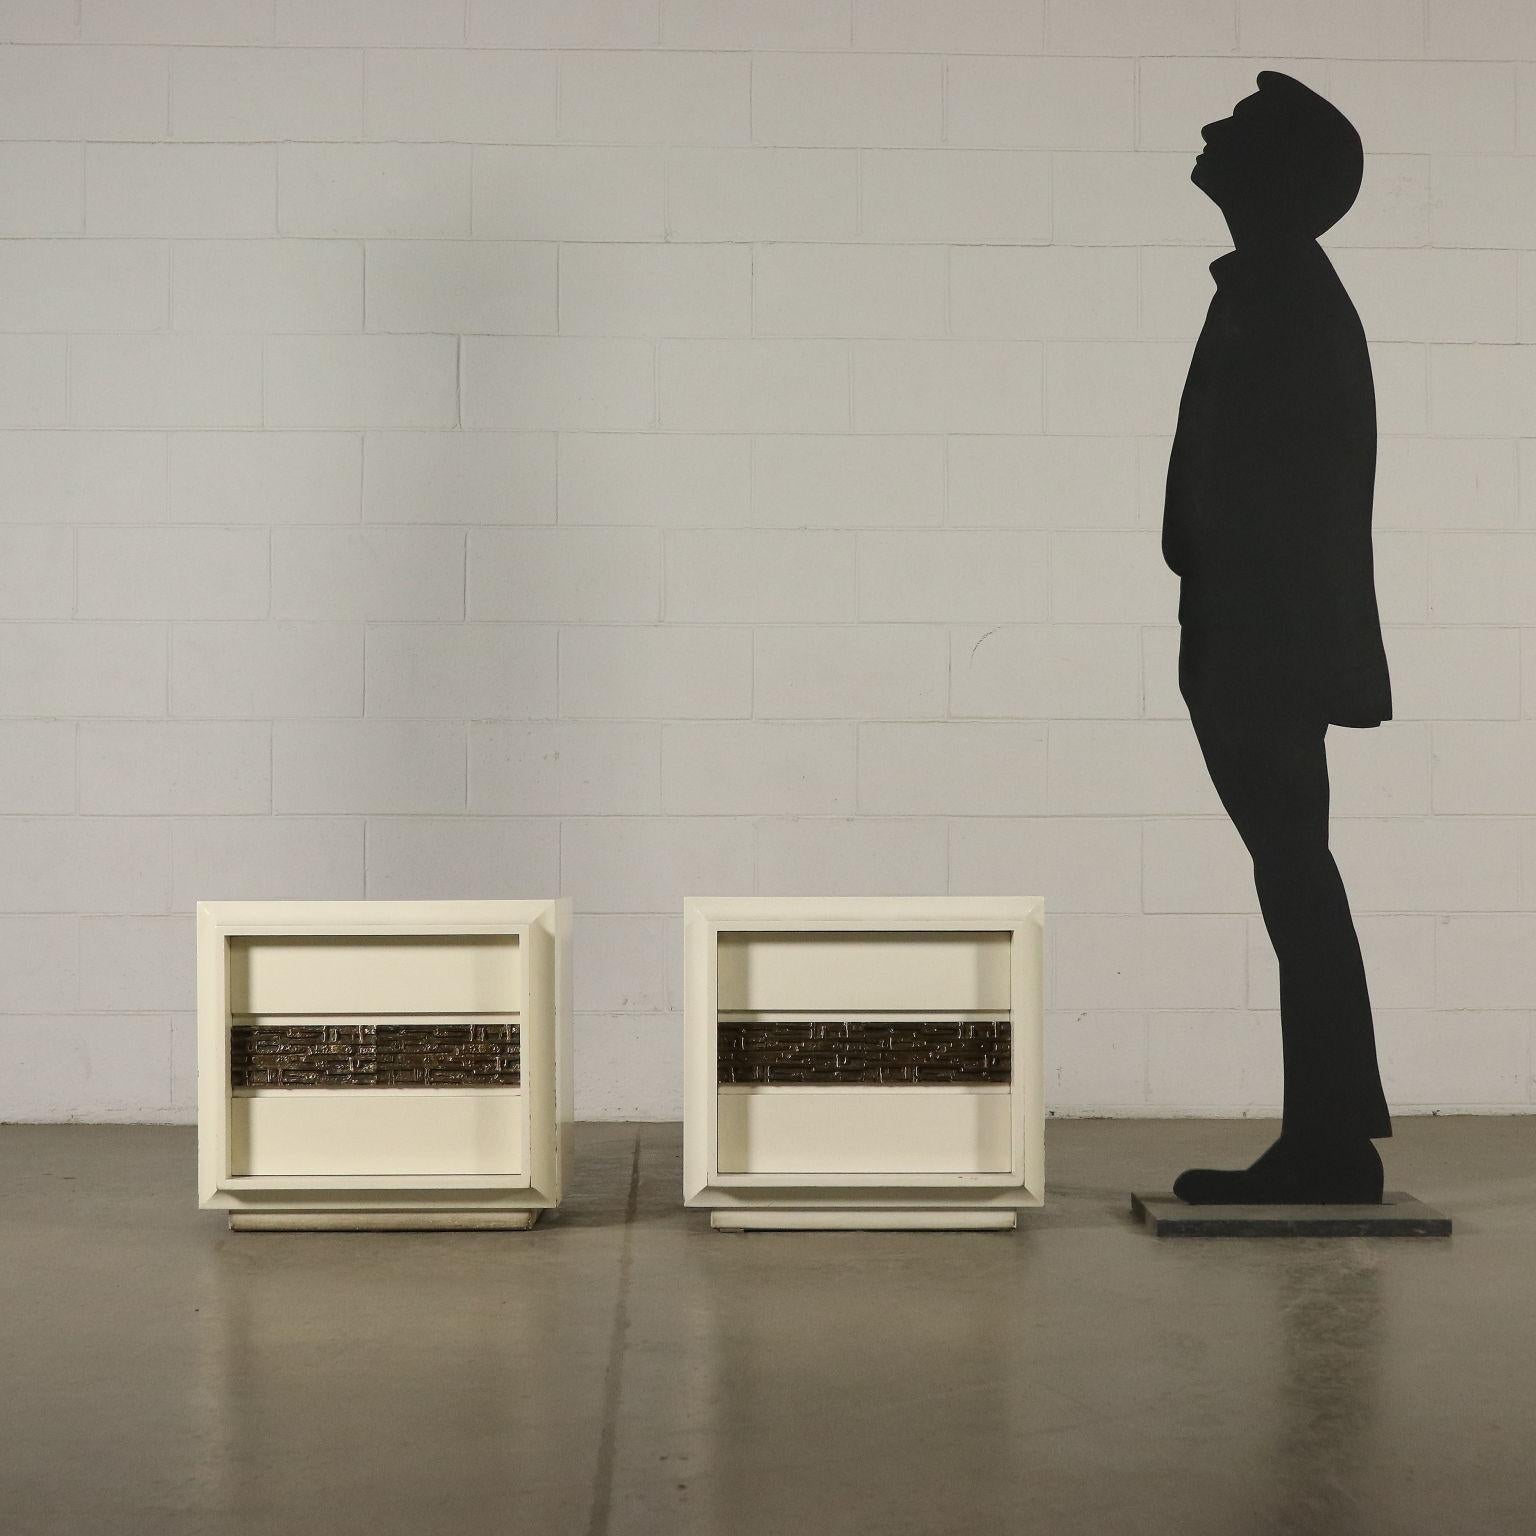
623 1369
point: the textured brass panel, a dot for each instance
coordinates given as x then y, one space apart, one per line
838 1051
375 1055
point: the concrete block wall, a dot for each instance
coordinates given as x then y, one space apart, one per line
635 448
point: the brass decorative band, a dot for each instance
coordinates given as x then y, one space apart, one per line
839 1051
375 1055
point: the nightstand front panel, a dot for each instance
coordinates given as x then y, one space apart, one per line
850 1056
383 1061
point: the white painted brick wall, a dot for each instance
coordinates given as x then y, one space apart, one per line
640 448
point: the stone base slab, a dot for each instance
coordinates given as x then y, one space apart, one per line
1398 1215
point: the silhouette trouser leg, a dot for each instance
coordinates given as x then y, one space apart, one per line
1272 777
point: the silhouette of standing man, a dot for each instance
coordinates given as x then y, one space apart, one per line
1268 524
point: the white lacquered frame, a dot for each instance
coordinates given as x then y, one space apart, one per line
829 1199
542 929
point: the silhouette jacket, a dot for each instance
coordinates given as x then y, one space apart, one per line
1267 519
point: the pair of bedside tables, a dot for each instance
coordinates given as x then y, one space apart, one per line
871 1062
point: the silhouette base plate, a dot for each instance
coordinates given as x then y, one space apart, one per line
1398 1215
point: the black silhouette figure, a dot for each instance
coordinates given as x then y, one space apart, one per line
1268 524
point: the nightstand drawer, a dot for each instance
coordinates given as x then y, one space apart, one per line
431 1132
864 1130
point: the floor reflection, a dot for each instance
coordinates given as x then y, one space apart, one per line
1329 1412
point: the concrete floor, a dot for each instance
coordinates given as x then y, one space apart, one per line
622 1369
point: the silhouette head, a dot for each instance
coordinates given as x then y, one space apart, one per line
1285 162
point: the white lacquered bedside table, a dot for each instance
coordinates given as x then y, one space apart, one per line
872 1062
383 1064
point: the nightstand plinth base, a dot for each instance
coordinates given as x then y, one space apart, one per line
763 1219
382 1221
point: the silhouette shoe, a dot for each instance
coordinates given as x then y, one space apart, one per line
1289 1173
